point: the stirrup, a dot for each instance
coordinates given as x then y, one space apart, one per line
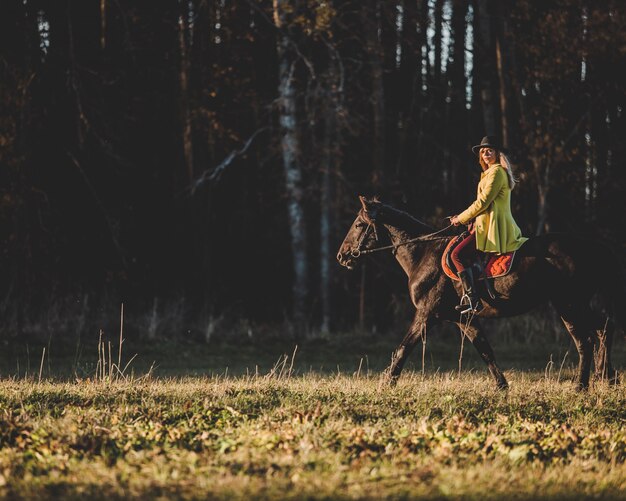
466 306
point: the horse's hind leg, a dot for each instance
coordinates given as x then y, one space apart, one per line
479 341
580 332
603 366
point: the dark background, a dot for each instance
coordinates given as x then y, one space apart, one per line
183 157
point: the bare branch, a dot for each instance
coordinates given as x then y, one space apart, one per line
211 175
308 63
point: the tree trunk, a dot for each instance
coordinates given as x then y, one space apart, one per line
504 127
543 190
439 91
511 132
326 199
438 44
503 62
409 84
103 24
424 71
183 38
17 74
376 57
456 112
75 83
486 68
284 11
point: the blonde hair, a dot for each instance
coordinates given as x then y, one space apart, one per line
506 163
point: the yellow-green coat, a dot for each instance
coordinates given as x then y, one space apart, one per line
496 230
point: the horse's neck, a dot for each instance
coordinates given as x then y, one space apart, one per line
397 235
402 227
405 254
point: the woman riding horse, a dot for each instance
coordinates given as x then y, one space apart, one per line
580 277
493 230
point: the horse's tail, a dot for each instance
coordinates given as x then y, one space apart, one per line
620 306
613 292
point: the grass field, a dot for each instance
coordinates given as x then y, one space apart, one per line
307 429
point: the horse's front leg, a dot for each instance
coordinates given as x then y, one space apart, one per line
416 331
479 341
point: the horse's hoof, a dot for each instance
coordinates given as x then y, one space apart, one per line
389 380
503 386
613 378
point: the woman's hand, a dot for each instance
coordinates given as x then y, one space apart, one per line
455 220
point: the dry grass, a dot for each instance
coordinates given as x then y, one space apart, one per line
281 436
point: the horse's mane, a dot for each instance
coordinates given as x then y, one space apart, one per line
405 221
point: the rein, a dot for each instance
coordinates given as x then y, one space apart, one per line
355 253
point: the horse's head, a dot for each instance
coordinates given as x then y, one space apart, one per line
362 234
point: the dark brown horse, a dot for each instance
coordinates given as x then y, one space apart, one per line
562 269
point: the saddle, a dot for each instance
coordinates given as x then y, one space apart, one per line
498 265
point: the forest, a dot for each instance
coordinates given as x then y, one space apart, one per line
200 161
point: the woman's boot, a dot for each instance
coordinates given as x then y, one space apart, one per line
470 302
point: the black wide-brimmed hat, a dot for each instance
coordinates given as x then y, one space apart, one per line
487 142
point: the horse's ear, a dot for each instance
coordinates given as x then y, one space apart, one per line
376 198
363 202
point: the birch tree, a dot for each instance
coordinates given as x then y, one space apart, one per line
285 11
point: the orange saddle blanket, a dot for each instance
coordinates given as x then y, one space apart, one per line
497 266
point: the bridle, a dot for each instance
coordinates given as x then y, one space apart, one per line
371 224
